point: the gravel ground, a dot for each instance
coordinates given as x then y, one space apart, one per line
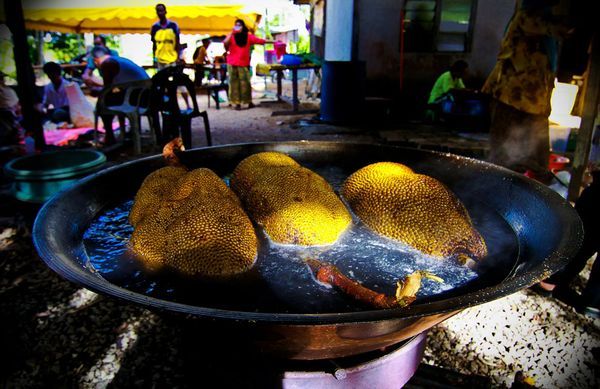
59 335
56 334
545 339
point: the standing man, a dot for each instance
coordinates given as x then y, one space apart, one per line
166 49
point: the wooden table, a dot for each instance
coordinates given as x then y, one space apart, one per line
293 101
66 66
219 71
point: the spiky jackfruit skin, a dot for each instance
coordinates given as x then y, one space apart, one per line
251 169
293 204
193 223
414 209
153 189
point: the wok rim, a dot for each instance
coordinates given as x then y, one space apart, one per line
567 246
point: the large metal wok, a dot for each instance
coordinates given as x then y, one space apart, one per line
546 232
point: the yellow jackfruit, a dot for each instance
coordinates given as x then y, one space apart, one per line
193 223
153 189
293 204
412 208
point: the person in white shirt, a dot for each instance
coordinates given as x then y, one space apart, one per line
55 103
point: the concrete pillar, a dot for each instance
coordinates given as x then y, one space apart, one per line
339 15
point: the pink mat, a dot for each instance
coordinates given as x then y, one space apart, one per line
62 137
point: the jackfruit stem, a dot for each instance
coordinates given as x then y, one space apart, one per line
170 152
466 260
329 274
406 290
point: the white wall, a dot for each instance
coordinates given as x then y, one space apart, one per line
379 42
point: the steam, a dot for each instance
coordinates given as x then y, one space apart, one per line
518 149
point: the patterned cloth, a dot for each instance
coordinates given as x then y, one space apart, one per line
523 76
240 91
521 84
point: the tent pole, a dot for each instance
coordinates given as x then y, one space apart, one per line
39 42
25 77
590 111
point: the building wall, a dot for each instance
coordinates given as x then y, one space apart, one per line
379 46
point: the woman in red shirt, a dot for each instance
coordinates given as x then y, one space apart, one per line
238 63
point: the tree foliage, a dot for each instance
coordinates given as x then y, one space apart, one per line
65 46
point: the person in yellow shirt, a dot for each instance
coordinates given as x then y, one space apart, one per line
166 49
201 55
200 59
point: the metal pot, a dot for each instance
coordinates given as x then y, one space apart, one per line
547 230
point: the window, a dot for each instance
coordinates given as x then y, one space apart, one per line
438 25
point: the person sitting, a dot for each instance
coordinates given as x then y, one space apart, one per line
88 74
447 82
9 112
115 70
55 103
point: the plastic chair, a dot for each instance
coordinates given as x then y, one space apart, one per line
164 100
134 102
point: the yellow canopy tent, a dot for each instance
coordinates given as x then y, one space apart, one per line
136 16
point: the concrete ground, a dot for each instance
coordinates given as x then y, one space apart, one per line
373 125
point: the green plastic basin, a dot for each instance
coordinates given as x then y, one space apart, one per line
39 177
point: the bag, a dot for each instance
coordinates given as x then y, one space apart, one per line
81 110
291 60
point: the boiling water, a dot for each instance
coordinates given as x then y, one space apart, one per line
282 282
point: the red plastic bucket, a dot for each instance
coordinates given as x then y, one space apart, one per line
557 163
279 49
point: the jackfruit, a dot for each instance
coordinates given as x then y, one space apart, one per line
293 204
418 210
193 223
